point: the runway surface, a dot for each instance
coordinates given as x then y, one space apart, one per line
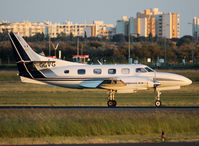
101 108
129 144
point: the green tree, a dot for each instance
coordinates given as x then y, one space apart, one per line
184 40
118 38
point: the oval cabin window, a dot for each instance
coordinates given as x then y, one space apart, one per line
112 71
97 71
66 71
125 70
81 71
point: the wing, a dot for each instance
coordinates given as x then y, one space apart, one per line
112 83
121 84
107 83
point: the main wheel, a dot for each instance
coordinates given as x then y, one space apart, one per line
157 103
111 103
114 103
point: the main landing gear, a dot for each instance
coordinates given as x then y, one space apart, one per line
111 99
112 102
158 102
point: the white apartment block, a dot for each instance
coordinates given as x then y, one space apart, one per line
171 25
195 27
27 29
132 26
143 27
122 26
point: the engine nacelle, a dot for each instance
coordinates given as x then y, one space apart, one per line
138 81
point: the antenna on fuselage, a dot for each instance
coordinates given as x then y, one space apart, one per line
99 62
55 48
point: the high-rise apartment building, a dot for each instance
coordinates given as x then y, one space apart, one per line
140 27
150 18
122 26
170 25
132 25
161 24
151 22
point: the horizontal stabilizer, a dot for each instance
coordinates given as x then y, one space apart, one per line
28 80
36 61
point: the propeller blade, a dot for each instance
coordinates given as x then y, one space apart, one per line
156 83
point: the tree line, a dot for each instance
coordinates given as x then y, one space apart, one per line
110 50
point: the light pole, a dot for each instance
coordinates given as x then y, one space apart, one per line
165 45
49 40
129 34
130 60
192 51
165 51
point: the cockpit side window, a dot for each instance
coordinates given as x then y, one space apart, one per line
140 70
148 69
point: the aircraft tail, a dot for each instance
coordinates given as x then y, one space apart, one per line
24 57
23 52
29 63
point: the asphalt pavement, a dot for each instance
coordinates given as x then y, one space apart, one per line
127 144
101 108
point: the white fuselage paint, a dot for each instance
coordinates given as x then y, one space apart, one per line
67 76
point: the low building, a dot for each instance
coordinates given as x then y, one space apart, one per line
26 28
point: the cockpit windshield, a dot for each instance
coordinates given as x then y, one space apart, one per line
144 70
149 69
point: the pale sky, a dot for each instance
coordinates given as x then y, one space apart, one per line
81 11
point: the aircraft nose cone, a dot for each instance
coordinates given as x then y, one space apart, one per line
187 81
184 80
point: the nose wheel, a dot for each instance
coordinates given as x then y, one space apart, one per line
158 102
111 102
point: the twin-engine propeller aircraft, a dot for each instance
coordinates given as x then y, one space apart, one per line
34 68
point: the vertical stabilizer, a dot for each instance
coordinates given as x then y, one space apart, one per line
24 56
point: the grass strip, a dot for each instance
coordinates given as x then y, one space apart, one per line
53 123
150 138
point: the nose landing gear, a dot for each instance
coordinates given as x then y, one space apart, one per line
158 102
111 102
